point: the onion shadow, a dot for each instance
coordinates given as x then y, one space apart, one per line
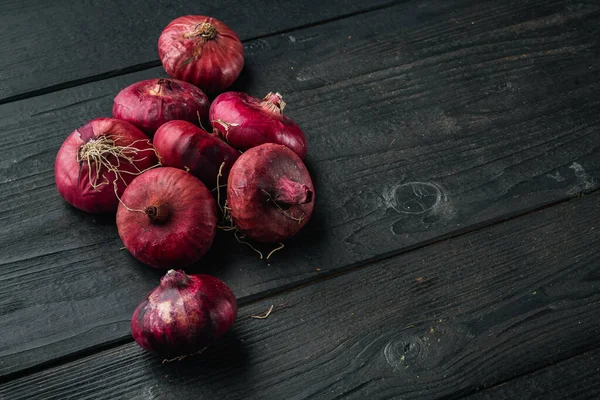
221 366
244 82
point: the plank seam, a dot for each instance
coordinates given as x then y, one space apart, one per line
247 300
484 388
156 63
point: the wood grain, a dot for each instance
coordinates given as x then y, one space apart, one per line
424 120
577 378
52 44
438 322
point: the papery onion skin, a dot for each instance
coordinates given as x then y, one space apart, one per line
175 221
149 104
182 145
270 193
201 50
184 314
245 122
72 176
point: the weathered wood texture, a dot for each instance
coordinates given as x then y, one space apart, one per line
47 44
438 322
423 119
577 378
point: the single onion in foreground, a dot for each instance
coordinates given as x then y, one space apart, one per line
184 314
270 194
97 161
201 50
167 218
182 145
149 104
245 122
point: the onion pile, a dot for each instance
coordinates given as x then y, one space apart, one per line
158 167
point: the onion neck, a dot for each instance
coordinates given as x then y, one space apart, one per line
289 193
273 103
204 30
174 279
160 86
157 213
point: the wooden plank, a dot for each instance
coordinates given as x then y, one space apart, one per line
52 44
577 378
438 322
435 137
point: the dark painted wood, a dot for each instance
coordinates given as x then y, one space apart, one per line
577 378
423 120
438 322
49 43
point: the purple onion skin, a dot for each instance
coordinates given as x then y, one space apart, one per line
270 193
167 217
201 50
245 122
184 314
149 104
182 145
75 180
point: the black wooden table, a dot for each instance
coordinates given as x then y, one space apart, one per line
455 247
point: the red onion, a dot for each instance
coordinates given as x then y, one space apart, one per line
182 145
149 104
184 314
167 218
270 193
201 50
245 122
97 161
